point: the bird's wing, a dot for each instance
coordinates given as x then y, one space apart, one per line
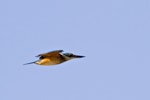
50 54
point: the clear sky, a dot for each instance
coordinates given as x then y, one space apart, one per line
114 35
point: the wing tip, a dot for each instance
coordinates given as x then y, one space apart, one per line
29 63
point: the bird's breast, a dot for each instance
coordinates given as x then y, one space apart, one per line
47 62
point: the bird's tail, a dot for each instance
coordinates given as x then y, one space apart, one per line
29 63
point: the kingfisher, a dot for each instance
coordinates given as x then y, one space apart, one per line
54 57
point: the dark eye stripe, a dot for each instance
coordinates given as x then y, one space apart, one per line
41 57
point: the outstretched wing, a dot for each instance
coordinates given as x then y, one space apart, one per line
50 54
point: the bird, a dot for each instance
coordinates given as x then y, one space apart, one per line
53 58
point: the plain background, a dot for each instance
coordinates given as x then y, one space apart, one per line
112 34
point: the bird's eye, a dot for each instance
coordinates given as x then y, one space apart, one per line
70 55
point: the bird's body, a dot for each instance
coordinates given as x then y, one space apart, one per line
54 58
46 62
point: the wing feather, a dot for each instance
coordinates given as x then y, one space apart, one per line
50 54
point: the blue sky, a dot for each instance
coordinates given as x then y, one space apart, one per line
112 34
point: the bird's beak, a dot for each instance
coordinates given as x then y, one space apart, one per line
78 56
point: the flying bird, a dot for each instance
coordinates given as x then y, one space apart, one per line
54 58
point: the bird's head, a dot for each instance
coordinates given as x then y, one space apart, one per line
70 56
